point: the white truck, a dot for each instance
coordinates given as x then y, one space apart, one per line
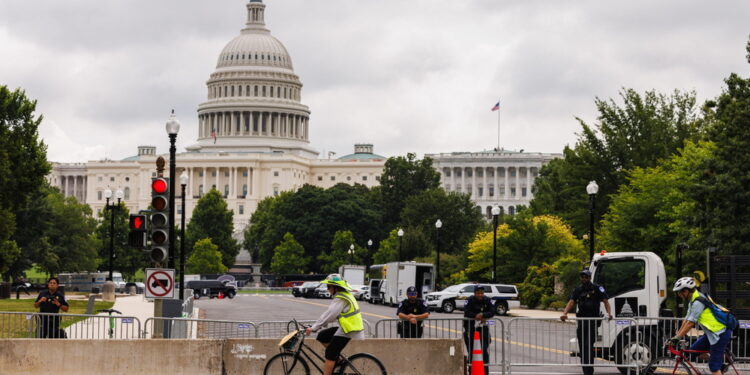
354 275
638 287
399 276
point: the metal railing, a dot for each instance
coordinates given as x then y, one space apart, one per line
187 328
72 326
276 329
453 328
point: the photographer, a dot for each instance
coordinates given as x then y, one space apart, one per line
51 301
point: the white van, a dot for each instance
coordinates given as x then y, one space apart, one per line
504 297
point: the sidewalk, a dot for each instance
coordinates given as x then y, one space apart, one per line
136 306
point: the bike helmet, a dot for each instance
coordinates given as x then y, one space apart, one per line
684 283
336 280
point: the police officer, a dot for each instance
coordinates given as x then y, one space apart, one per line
51 301
412 311
477 310
588 296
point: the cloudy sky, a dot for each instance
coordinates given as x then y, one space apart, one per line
409 76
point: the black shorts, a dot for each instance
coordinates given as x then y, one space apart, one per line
335 343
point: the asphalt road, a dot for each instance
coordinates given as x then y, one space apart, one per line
530 342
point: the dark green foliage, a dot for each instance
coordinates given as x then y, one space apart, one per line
127 260
403 177
212 219
289 257
637 133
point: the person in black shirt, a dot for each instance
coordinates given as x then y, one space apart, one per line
478 309
412 310
588 296
51 301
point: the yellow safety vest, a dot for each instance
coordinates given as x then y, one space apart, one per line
351 320
707 319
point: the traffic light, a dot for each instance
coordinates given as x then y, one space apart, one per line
159 220
137 237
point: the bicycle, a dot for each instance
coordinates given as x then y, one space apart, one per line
679 361
295 355
111 331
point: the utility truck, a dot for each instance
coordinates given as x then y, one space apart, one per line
354 275
638 288
398 276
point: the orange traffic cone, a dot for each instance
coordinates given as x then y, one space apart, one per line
221 295
477 360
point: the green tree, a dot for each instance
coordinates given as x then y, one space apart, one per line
723 193
637 133
23 167
339 252
69 244
212 219
403 177
289 257
460 217
654 211
415 244
205 258
126 259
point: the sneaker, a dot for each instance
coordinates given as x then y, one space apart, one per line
724 368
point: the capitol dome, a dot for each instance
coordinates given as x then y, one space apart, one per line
254 96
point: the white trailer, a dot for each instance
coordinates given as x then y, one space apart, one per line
354 275
402 275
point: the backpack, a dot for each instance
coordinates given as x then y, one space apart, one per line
721 313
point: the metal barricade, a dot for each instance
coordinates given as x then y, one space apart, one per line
187 328
452 328
275 329
15 325
551 342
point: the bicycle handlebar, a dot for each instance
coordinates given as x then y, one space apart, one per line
109 311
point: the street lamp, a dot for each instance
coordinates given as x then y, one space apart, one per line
495 213
183 182
591 189
438 225
173 127
351 254
400 242
369 249
112 208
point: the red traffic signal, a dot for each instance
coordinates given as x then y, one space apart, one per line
159 186
138 223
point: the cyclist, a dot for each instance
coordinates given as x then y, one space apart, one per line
717 335
345 309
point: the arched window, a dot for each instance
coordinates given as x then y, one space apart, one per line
511 210
126 192
489 212
247 90
232 90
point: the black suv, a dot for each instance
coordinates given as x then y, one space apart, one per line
211 288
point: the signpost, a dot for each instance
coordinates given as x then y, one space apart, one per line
159 283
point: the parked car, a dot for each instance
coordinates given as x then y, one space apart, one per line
358 291
211 288
366 293
306 290
503 296
139 287
321 291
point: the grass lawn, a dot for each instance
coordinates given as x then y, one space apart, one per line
20 326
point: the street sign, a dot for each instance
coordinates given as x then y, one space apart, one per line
159 283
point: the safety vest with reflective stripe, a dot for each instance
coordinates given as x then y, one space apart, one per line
707 319
351 320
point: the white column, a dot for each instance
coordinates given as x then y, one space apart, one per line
495 179
75 187
507 184
486 187
205 172
248 182
453 177
528 183
256 182
242 122
463 180
231 182
518 183
218 172
189 187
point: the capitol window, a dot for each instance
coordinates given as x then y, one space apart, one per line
348 178
99 195
256 90
333 178
226 173
242 210
112 179
226 191
213 174
320 178
276 173
364 178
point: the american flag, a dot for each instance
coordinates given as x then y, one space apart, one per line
496 107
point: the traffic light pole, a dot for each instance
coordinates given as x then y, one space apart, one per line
182 247
172 180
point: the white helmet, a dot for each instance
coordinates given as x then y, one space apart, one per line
684 283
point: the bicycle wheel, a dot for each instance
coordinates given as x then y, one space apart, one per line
285 364
667 365
363 364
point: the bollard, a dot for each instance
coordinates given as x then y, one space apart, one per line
108 291
131 290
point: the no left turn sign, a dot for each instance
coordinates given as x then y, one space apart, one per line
159 283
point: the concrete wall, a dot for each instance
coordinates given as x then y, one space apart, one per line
209 357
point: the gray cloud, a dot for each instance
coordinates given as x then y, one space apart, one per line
409 76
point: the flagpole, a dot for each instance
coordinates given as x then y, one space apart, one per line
498 126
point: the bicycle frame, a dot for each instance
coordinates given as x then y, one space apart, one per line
682 355
303 351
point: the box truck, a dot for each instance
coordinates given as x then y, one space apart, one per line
398 276
354 275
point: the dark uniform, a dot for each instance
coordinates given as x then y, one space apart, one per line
473 307
588 297
406 329
49 325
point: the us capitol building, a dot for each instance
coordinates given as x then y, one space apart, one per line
253 142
